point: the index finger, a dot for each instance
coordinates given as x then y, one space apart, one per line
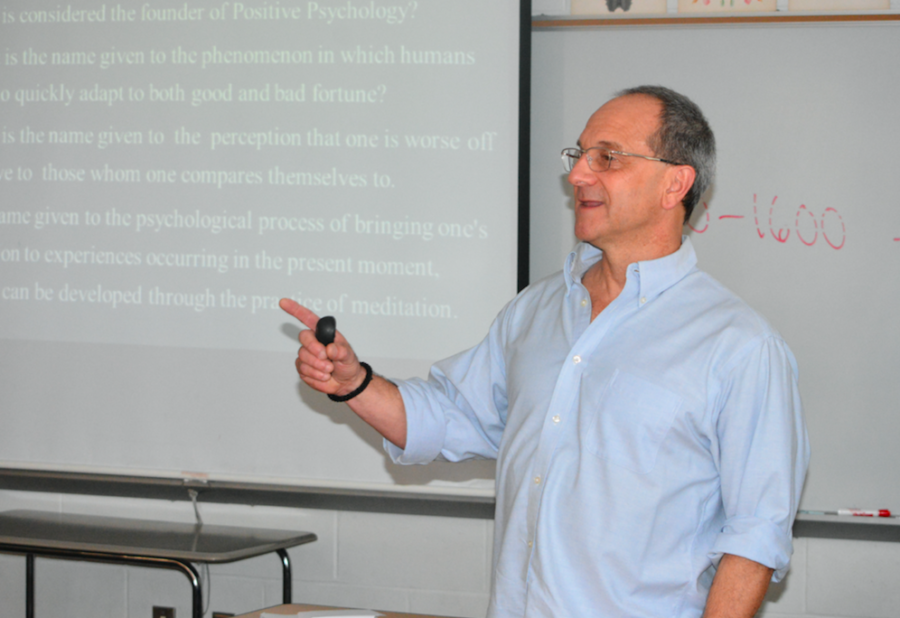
307 317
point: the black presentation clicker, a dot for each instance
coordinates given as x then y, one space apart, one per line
325 329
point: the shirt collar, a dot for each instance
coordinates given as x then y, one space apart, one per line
655 276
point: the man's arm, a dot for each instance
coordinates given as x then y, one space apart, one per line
335 370
738 589
763 455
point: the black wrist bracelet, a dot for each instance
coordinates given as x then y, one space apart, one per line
362 387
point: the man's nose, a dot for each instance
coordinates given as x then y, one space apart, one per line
582 174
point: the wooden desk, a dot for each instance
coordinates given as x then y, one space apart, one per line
293 609
155 544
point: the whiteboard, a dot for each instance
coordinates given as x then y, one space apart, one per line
803 220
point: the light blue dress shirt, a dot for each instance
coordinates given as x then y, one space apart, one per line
632 451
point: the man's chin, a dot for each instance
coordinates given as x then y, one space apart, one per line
591 240
587 233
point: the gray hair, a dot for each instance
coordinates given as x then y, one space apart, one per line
684 136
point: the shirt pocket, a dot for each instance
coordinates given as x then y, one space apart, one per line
628 418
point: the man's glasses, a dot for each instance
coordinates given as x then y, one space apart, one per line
599 159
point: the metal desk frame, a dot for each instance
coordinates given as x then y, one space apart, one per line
178 559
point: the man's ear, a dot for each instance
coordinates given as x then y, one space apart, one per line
681 179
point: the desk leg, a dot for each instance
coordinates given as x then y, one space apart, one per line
73 554
196 591
286 576
29 585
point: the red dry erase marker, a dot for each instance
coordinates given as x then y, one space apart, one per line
865 512
852 512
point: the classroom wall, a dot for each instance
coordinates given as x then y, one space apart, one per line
405 563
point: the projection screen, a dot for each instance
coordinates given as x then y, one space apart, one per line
169 170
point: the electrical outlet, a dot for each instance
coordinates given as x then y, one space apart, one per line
163 612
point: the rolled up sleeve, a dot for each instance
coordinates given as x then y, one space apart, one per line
763 455
459 412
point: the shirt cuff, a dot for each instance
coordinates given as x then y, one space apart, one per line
425 426
756 539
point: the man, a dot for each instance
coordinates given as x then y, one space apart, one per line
646 423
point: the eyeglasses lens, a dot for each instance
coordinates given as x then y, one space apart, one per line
598 159
570 157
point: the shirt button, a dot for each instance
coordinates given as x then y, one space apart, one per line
584 302
537 480
530 544
556 419
643 300
576 359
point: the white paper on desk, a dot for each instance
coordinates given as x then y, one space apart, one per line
327 613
